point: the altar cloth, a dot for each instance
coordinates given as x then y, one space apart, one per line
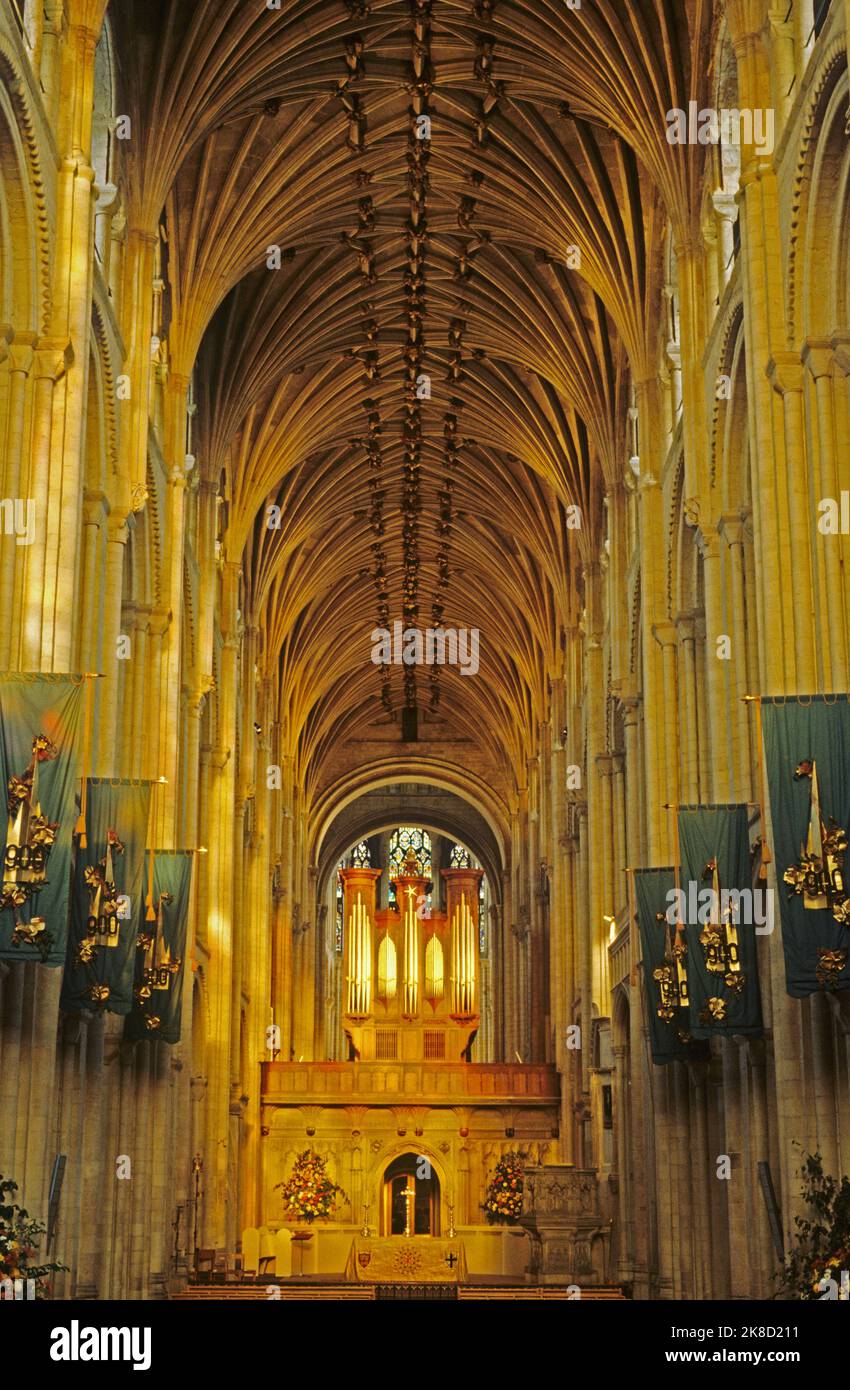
406 1260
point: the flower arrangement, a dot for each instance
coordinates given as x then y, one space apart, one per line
503 1201
823 1238
309 1194
19 1237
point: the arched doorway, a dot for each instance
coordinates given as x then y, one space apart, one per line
411 1194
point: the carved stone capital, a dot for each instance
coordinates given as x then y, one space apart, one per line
819 358
731 528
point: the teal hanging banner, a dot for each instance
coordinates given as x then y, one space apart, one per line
664 969
108 892
720 911
161 958
807 752
40 720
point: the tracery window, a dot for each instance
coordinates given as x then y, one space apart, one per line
409 837
361 857
460 858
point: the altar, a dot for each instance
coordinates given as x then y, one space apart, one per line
406 1259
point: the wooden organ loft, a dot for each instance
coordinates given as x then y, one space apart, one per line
411 1092
410 976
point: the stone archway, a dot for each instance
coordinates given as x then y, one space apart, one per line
418 1215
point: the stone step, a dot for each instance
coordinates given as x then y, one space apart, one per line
465 1292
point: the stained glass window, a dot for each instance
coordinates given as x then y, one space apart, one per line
409 837
460 858
357 858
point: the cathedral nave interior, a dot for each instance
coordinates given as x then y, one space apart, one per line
423 559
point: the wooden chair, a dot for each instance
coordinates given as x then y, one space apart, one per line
266 1264
204 1265
250 1253
283 1253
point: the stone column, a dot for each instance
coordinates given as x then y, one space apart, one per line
90 633
144 1213
22 1117
634 781
731 528
625 1139
791 514
137 307
135 692
11 1027
832 596
200 1148
172 656
763 1257
537 993
50 365
658 678
520 929
782 19
35 1173
662 1189
106 744
724 206
598 796
689 732
558 933
505 1015
72 318
51 38
603 901
20 355
741 1190
221 925
703 1172
667 793
104 1062
165 1165
72 1109
618 812
179 1093
581 1101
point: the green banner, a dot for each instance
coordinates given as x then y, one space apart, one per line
807 753
108 892
669 1029
40 718
720 910
161 958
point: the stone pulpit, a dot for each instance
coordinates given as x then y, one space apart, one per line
569 1240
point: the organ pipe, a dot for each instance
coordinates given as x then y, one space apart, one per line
410 998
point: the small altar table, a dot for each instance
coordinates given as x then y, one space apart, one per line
406 1260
